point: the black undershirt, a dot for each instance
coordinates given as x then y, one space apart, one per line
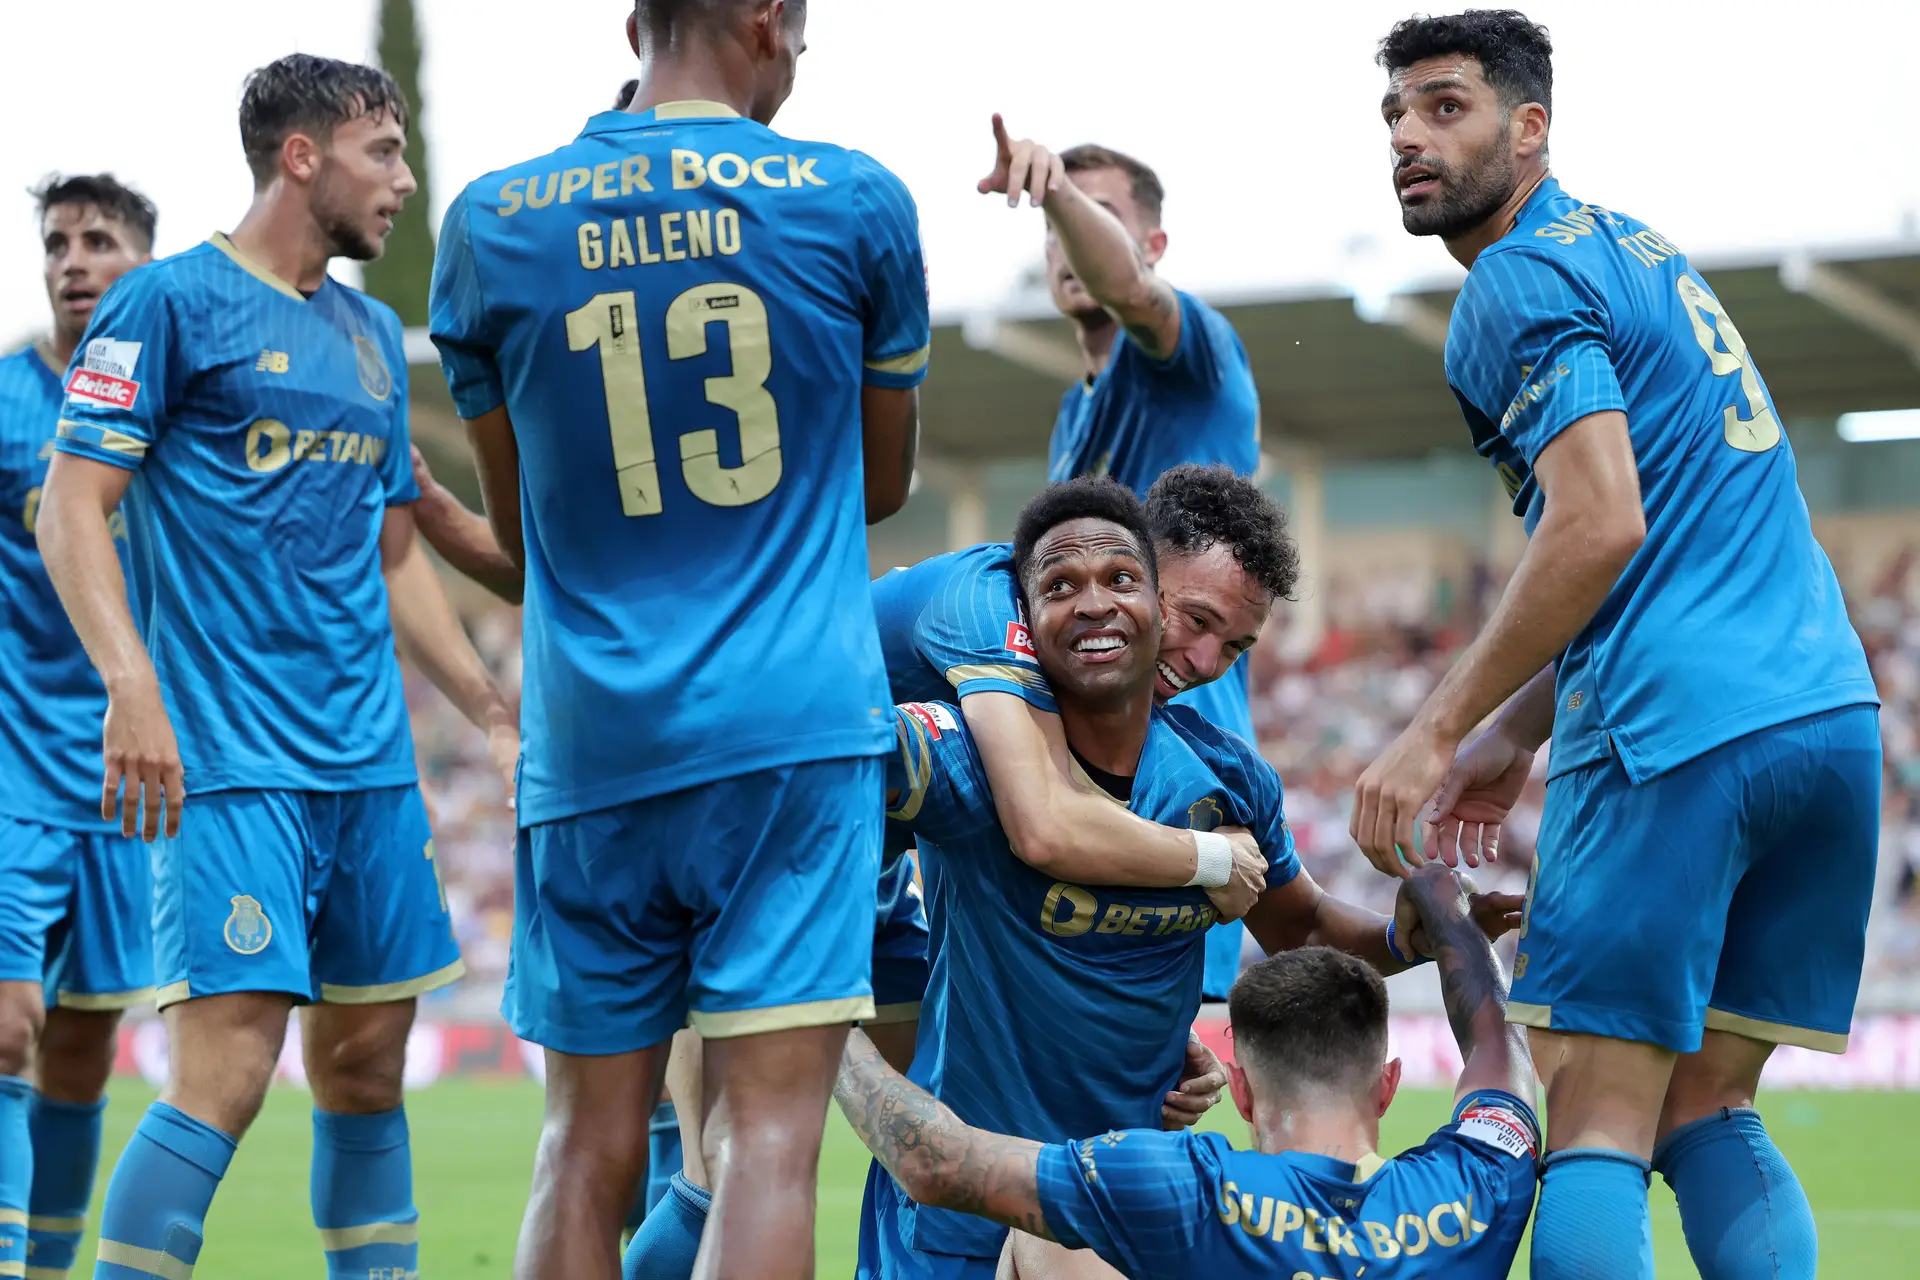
1119 786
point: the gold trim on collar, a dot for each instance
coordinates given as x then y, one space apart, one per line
220 241
694 109
47 360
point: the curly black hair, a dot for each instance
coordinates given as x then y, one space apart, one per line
1194 507
112 197
1087 498
302 93
1514 52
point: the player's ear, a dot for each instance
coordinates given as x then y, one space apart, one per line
1389 1084
1155 247
300 157
1237 1086
633 32
1530 130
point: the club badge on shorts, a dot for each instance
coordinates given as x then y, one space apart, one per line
248 931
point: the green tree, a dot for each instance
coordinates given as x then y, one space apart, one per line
400 277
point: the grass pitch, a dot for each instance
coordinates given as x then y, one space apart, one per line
1858 1153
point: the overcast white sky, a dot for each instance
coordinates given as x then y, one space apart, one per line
1765 124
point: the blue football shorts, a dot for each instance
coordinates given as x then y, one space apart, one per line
1729 893
326 895
746 904
76 914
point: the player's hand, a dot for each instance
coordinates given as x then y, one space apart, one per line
1496 913
1236 897
1021 166
139 750
422 473
503 747
1199 1090
1478 794
1389 798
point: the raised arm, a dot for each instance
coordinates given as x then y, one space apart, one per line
1472 986
138 744
935 1156
1302 914
463 538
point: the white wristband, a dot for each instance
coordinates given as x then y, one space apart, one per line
1214 866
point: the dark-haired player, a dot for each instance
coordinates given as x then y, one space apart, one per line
1167 379
1313 1198
1677 631
254 414
692 345
76 898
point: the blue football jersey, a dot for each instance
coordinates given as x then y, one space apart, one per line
1188 1206
1729 619
1020 959
679 309
51 699
267 434
954 625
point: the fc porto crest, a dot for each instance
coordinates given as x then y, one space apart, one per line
248 931
375 377
1205 815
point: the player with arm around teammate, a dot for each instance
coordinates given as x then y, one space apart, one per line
1312 1078
1678 632
76 896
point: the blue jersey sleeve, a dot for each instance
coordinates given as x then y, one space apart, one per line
939 789
899 332
1138 1197
974 633
1254 786
1535 350
1207 352
124 376
457 316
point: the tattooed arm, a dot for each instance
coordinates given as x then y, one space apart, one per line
935 1156
1472 986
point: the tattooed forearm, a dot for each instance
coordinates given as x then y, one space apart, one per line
1470 982
1162 309
934 1155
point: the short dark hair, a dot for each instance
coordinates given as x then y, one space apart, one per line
112 197
1147 191
1311 1018
1087 498
1514 52
661 18
301 93
1194 507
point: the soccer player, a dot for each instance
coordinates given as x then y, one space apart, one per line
692 344
1676 630
1167 379
76 899
1312 1079
1023 958
253 413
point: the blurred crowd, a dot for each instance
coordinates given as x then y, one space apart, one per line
1321 718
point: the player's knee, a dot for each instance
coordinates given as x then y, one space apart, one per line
21 1020
358 1070
76 1053
1724 1072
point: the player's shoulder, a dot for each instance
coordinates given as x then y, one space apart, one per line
939 722
1555 234
189 276
1222 750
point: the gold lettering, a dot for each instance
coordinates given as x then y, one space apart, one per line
1445 1239
738 164
801 171
633 175
1081 909
511 195
274 436
30 513
1183 923
338 441
670 237
647 256
573 182
1291 1220
1116 918
1411 1247
619 244
763 175
379 452
592 255
700 232
1312 1239
1137 921
538 200
1206 918
1382 1241
1229 1203
603 180
1340 1238
726 230
689 170
1254 1228
302 443
1555 231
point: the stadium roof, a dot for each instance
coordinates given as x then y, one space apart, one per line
1834 331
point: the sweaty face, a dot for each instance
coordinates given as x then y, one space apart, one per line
1113 190
85 252
1213 611
1453 161
363 181
1095 615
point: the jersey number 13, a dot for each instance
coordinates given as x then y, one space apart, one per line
608 322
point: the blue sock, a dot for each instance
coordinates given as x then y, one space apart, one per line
669 1240
66 1151
363 1194
663 1161
1593 1217
16 1172
158 1197
1742 1209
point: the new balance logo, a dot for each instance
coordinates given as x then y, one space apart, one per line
270 361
